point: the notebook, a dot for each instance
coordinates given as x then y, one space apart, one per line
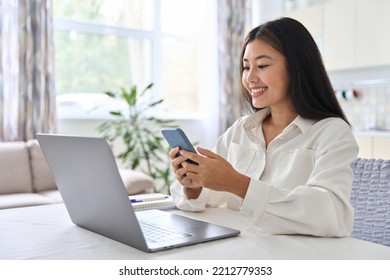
158 201
88 179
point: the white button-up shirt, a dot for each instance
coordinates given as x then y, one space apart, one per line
300 184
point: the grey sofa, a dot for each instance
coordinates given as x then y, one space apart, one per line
26 180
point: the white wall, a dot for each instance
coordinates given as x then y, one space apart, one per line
360 74
264 10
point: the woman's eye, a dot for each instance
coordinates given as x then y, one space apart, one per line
262 66
245 68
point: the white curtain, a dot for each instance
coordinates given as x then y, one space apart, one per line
234 20
27 96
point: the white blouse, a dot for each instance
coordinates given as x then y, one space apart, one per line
300 184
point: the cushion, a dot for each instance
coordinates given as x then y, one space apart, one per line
22 200
15 175
136 182
42 179
53 195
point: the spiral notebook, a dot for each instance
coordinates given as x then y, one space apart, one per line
152 201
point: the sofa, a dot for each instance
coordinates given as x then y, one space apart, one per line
26 179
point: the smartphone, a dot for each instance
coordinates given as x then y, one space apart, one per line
177 138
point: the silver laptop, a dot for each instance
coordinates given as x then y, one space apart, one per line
88 179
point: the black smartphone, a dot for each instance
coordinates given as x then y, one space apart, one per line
177 138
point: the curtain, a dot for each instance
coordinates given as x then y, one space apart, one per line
27 95
234 21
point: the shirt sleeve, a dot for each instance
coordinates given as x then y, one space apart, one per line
207 198
320 207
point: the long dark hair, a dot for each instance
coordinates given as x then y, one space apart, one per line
311 92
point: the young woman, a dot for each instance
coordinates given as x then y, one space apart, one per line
287 164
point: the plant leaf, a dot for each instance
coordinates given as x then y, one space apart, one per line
133 96
115 113
110 94
149 86
124 95
155 103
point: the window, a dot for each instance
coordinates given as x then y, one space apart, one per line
107 44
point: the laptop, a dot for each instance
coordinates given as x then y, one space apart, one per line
87 176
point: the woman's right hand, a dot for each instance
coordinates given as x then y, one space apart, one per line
180 172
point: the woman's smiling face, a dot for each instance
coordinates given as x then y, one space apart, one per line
265 75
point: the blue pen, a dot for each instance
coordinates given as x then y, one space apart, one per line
148 199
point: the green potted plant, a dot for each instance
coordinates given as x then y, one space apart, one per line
139 131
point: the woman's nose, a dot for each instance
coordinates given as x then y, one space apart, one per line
252 76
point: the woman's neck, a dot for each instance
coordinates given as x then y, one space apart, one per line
275 123
280 119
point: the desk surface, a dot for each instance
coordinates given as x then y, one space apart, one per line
46 232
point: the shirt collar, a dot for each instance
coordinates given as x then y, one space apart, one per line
303 124
254 120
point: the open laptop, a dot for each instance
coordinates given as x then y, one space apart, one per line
88 179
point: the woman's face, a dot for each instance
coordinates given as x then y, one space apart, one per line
265 75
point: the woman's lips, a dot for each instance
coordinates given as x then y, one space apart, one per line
255 92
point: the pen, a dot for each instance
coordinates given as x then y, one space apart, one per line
148 199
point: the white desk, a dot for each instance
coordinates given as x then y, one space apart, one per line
46 232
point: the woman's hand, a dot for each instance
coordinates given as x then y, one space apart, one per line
192 187
212 171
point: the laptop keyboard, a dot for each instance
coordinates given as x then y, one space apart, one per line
155 233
